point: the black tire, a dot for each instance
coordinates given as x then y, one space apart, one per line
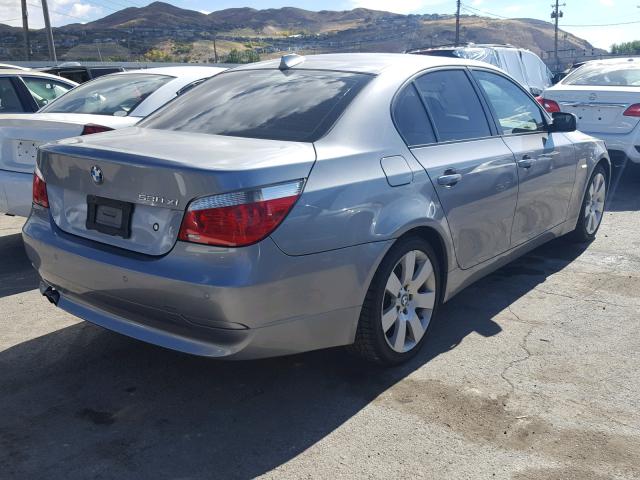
581 234
370 342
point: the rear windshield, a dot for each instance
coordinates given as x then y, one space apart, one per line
606 75
116 95
290 105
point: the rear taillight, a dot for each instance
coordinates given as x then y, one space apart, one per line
239 218
40 190
91 128
632 111
549 105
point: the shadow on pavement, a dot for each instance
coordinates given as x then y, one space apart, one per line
16 273
624 192
82 402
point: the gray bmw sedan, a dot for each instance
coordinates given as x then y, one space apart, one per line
307 203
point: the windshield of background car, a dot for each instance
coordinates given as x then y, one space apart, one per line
116 95
606 75
289 105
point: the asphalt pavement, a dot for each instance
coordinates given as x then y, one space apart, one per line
531 373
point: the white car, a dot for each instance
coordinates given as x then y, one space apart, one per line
114 101
604 95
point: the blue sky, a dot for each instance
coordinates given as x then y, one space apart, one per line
576 12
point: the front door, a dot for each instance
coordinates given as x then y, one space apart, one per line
546 161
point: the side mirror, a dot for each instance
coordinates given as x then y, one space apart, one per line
563 122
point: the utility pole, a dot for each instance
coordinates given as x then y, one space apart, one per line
215 49
47 26
458 22
25 28
556 14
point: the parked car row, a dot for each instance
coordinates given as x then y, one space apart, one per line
114 101
300 203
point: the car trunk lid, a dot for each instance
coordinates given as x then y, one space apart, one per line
22 134
598 109
157 173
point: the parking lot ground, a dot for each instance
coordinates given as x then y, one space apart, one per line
531 373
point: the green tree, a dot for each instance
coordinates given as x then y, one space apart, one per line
234 56
246 56
626 48
155 55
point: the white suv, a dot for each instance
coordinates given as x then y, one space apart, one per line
522 64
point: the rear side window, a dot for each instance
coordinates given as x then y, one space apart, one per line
116 95
44 90
291 105
516 111
99 72
9 101
411 118
454 105
78 76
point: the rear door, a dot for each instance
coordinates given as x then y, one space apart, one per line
472 170
546 161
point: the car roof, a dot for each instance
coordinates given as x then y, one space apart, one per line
372 63
610 61
8 72
9 66
179 71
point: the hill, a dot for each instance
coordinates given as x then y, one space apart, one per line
163 27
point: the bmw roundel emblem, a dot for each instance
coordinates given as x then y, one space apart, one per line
96 175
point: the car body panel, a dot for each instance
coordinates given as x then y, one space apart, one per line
544 188
149 170
206 294
480 207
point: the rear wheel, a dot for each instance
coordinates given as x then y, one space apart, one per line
400 304
593 206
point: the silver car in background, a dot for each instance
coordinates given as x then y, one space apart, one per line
301 204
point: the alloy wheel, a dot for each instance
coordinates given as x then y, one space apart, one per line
594 207
409 300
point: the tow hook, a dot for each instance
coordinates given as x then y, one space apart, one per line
51 293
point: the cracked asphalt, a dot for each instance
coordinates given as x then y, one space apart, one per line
531 373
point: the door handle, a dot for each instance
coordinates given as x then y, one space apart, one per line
449 179
525 162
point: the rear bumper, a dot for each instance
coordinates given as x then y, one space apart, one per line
242 303
628 143
15 193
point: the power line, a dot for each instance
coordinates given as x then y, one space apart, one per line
602 24
59 13
474 10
